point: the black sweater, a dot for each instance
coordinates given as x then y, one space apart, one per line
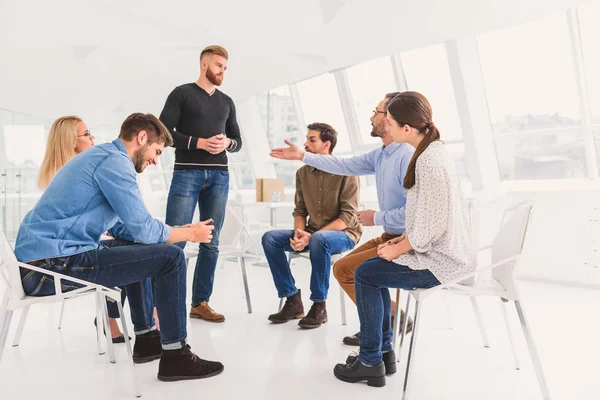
191 113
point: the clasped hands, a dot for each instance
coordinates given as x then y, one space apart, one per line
391 250
300 240
215 144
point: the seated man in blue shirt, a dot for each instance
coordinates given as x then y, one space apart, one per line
97 191
389 163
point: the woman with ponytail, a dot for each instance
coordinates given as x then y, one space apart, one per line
435 248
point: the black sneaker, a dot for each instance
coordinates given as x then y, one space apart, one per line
182 364
389 360
147 347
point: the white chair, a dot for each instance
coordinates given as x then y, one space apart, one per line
505 252
233 243
334 258
16 299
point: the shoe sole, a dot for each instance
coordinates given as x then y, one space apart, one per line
143 360
187 378
312 326
196 316
373 381
281 321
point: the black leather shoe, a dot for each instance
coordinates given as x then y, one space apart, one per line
389 360
355 371
182 364
353 340
147 347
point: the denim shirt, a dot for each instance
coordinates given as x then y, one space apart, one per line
95 192
389 164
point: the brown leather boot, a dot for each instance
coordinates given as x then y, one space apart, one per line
203 311
292 309
316 317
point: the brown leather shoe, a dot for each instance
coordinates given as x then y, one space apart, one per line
203 311
354 340
316 317
292 309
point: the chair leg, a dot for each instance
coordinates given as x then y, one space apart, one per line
5 318
511 335
99 325
343 306
106 324
242 263
62 313
396 321
136 384
535 358
477 312
411 349
404 325
280 304
20 327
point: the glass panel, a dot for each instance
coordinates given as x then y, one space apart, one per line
320 101
427 72
589 15
559 154
529 76
369 83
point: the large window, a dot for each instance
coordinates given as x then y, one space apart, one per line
531 89
589 15
281 123
427 72
320 102
369 83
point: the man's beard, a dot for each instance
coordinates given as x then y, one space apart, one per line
212 78
376 132
306 149
138 159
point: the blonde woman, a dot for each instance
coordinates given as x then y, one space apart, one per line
68 137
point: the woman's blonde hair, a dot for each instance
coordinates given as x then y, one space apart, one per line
59 149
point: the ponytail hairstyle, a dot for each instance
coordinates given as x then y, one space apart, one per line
414 110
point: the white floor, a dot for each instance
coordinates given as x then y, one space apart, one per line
264 361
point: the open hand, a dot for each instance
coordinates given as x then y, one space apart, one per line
292 152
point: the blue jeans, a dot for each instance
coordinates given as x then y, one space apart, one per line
130 266
322 245
371 282
209 188
137 291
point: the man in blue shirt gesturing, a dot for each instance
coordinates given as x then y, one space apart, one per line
389 163
97 192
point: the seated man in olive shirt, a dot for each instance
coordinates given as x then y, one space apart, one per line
329 202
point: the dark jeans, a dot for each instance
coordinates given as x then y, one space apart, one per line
139 292
371 282
128 265
209 188
322 245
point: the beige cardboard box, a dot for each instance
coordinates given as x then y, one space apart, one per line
268 190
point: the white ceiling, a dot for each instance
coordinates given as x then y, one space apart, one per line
104 59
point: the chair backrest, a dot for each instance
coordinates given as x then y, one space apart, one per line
9 269
509 241
232 230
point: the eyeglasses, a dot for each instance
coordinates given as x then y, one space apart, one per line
376 111
87 133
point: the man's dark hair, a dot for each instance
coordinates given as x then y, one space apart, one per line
155 129
326 133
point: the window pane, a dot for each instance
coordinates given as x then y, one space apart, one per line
320 102
529 76
559 154
589 15
427 72
369 83
279 116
